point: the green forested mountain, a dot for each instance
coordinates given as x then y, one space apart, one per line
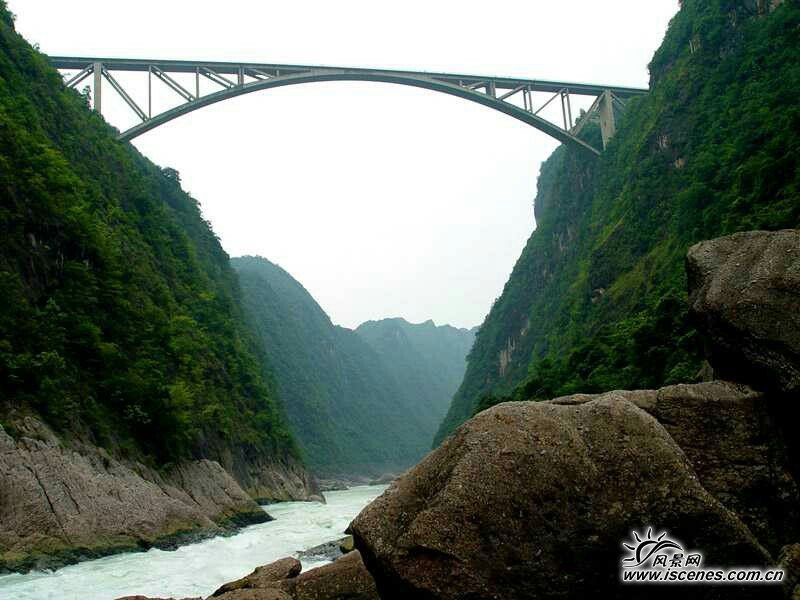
121 319
597 300
428 360
358 403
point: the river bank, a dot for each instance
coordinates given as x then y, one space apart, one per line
198 569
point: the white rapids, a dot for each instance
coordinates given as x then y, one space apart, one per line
198 569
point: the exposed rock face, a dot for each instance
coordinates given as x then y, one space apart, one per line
745 297
532 500
61 504
344 579
736 447
271 482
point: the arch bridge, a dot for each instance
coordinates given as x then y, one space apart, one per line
512 96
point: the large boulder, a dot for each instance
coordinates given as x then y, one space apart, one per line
264 576
148 598
344 579
744 294
327 551
736 446
533 500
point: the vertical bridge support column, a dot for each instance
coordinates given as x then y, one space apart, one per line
98 86
608 122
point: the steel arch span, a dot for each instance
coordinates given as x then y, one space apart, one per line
235 79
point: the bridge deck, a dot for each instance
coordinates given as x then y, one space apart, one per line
233 68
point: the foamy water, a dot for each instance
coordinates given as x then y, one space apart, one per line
198 569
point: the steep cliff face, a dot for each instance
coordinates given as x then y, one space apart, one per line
65 501
597 299
62 503
503 345
121 329
361 402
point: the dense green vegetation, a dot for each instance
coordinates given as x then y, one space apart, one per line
597 300
360 402
121 317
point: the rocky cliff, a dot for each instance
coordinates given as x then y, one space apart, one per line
596 300
64 502
744 297
61 504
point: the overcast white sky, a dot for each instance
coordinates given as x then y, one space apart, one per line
383 200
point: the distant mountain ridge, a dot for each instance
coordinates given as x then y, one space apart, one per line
360 402
428 359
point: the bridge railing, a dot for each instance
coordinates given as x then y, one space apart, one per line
233 79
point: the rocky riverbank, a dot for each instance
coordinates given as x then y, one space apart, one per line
65 502
331 484
344 579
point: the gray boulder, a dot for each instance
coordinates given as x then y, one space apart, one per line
533 500
744 294
264 576
147 598
141 598
328 550
344 579
736 447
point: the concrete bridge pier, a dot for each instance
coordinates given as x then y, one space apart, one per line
98 86
608 122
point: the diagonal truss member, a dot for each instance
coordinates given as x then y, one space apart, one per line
235 79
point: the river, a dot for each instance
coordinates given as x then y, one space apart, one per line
198 569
